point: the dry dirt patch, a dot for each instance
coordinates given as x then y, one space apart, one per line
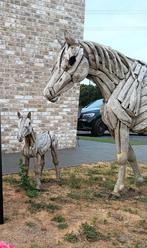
77 212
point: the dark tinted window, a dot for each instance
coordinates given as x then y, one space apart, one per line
95 105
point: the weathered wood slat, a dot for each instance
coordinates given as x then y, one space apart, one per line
143 100
130 100
120 112
144 91
107 81
125 89
110 116
140 127
106 92
142 73
141 117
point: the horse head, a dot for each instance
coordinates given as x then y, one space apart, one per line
71 67
24 126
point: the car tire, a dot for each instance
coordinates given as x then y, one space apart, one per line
98 128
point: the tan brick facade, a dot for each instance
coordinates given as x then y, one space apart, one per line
28 48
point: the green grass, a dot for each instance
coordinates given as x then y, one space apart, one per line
90 233
110 140
58 218
71 237
36 207
62 225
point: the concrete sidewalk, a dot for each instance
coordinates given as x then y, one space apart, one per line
86 152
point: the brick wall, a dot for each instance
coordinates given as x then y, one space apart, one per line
28 49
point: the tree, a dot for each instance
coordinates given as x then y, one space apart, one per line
88 94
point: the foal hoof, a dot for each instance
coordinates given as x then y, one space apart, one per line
38 187
114 195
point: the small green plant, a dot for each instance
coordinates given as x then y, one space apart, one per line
71 237
143 223
34 207
58 218
74 182
25 182
137 244
89 232
63 225
11 180
30 224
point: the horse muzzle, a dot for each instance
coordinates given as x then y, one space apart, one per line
49 94
20 139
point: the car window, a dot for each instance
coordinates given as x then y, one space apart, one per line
96 104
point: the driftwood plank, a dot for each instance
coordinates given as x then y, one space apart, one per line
120 112
125 89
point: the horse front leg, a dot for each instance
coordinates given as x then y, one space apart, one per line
122 142
133 162
38 170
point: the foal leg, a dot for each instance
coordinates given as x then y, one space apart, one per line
133 162
42 163
122 141
25 161
38 171
55 158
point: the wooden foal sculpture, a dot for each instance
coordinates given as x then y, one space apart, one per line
36 145
123 84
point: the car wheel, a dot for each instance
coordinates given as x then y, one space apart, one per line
98 128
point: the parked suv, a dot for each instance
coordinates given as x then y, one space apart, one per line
90 119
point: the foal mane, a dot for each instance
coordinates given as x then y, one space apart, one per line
109 59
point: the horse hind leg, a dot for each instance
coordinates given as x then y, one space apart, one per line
55 158
133 162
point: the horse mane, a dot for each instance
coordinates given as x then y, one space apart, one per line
110 59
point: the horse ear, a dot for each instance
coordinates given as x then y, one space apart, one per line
29 115
19 115
69 39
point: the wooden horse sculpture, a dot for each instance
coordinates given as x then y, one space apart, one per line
36 145
123 84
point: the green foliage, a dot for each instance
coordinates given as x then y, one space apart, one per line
89 232
11 180
58 218
88 94
35 207
63 225
72 181
25 182
71 237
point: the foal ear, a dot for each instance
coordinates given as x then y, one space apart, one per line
29 115
19 115
69 39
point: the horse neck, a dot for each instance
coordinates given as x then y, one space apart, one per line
107 67
30 139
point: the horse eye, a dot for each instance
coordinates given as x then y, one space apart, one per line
72 60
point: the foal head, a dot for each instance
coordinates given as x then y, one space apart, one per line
24 126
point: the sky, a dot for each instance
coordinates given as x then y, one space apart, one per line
121 24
